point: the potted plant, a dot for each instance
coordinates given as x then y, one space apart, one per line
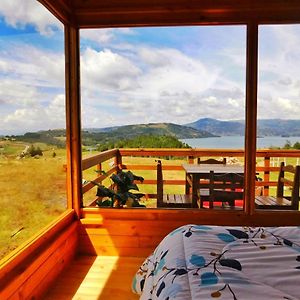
120 195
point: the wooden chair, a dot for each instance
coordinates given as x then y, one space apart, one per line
170 200
225 188
284 184
212 161
204 191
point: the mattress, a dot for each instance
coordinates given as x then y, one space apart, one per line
207 262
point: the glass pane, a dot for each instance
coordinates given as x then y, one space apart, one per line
278 111
32 121
162 87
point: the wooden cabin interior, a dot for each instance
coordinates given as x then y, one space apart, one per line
91 252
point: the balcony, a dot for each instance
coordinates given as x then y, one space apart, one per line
143 162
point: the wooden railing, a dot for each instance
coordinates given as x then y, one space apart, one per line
267 163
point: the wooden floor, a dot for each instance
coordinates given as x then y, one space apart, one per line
96 277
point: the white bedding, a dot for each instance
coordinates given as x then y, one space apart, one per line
207 262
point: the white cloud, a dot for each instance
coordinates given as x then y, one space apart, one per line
33 66
172 71
107 70
20 13
36 117
279 107
17 94
279 88
103 36
138 83
159 85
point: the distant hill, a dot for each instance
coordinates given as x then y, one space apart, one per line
218 127
278 127
131 131
93 136
266 127
52 137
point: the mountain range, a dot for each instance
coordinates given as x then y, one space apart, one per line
131 131
265 127
202 128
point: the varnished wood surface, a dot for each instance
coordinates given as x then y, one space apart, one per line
217 168
111 13
95 278
127 232
30 269
73 118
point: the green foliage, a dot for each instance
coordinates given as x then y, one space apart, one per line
297 145
288 145
50 137
145 141
34 151
122 195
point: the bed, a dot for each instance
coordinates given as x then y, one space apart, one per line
207 262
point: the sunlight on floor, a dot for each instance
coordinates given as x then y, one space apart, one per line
97 277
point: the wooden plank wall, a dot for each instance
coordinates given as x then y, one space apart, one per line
29 271
136 232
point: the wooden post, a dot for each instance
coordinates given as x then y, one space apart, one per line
118 161
251 116
280 184
159 178
99 169
266 175
73 119
190 159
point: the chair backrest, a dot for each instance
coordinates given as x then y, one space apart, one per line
212 161
225 187
289 176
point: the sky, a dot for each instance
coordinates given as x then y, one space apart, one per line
140 75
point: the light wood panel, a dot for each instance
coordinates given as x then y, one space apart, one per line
95 278
136 232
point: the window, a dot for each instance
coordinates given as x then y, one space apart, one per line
278 102
32 121
161 77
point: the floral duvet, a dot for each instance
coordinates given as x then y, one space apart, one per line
206 262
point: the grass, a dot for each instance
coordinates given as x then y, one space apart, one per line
33 193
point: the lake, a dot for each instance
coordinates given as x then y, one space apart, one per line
237 142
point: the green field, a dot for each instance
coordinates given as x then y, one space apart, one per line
33 193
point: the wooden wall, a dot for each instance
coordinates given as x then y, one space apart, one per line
136 232
29 271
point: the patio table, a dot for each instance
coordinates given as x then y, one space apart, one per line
196 172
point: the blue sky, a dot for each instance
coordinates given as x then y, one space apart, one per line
140 75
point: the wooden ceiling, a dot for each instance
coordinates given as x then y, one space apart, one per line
126 13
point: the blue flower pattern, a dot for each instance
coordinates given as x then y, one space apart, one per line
203 262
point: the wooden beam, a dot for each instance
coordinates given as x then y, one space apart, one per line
123 13
73 118
181 12
61 9
251 115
